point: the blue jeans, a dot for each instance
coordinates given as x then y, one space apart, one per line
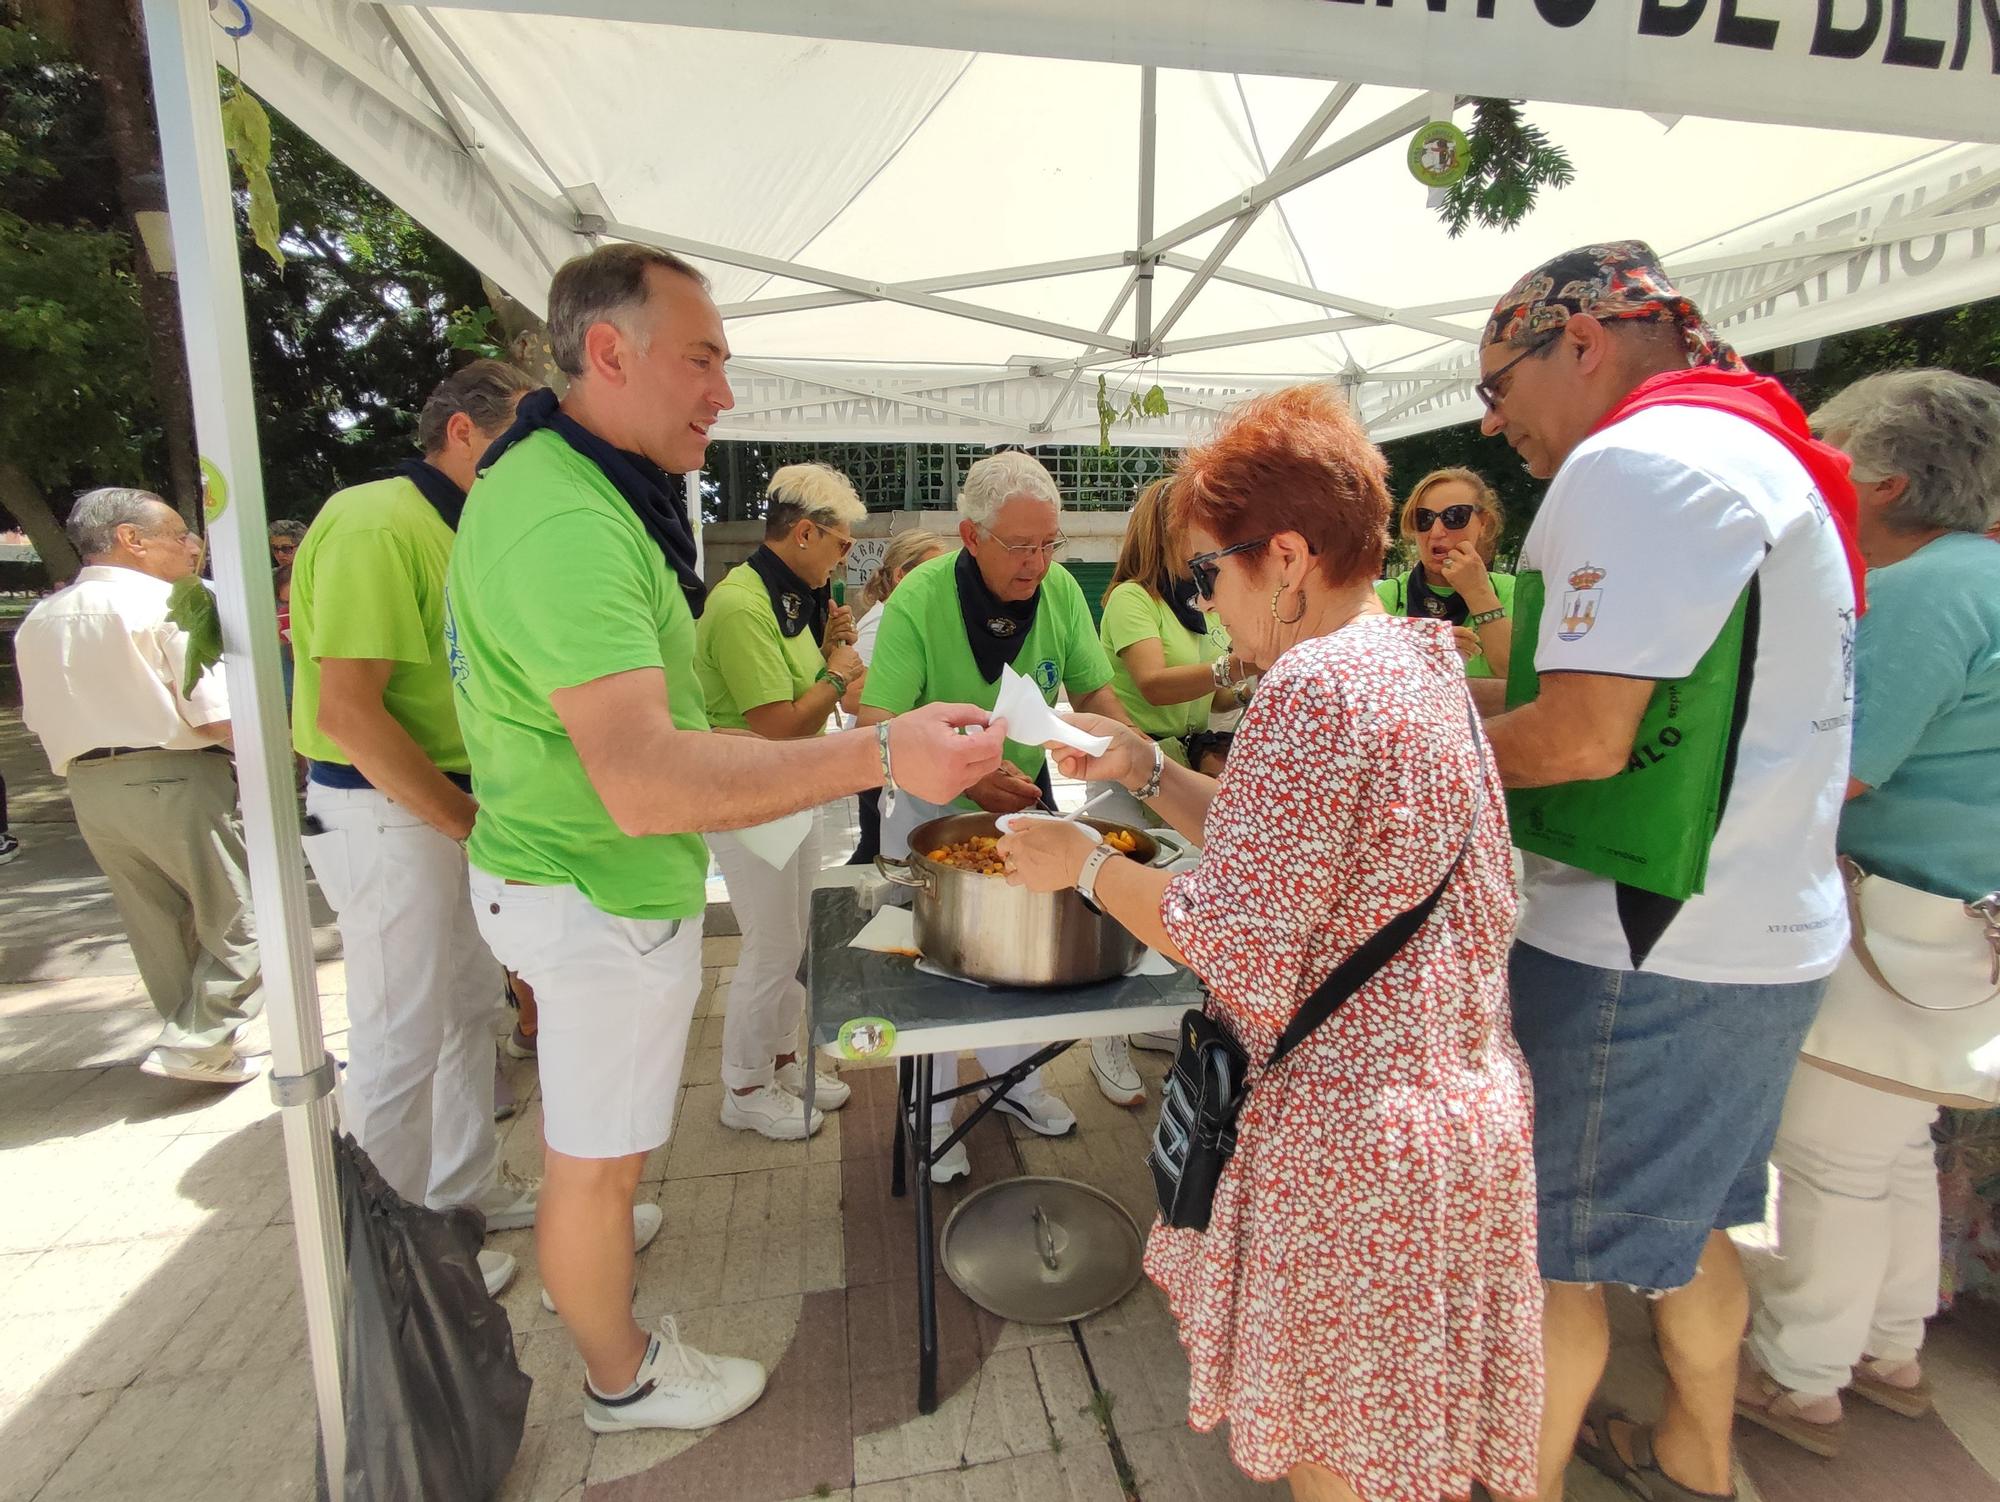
1656 1104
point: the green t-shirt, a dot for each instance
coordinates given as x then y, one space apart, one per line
555 583
368 583
1133 613
1395 597
922 655
743 658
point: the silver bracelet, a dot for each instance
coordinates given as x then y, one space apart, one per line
888 776
1219 671
1151 786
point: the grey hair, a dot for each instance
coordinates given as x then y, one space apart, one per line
1938 429
997 479
605 286
98 514
485 391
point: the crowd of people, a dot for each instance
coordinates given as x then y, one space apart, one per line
1733 705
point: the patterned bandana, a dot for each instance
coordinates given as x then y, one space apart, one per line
1621 280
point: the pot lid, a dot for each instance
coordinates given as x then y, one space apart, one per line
1041 1251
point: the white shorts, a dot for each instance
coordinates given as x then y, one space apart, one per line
616 998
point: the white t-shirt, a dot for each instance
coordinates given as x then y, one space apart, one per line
1675 508
865 629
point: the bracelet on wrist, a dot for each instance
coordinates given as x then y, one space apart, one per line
888 775
1486 617
1151 786
1219 670
828 675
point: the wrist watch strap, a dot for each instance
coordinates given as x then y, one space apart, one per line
1086 879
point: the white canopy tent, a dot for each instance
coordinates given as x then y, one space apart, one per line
942 221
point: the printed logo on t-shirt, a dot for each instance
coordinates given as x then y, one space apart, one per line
1045 675
453 655
1580 603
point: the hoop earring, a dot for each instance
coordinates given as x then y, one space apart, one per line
1287 620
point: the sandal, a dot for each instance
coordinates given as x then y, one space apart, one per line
1641 1476
1912 1401
1813 1424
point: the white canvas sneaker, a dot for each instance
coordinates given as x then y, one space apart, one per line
775 1113
830 1091
203 1066
497 1268
677 1387
1167 1042
1042 1111
955 1164
1111 1067
510 1204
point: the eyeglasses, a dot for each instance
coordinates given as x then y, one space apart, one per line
845 540
1453 517
1203 565
1490 391
1049 551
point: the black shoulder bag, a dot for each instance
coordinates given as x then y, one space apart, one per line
1205 1090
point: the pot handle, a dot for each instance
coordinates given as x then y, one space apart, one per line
1173 846
899 872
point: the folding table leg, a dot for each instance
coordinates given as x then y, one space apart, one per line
927 1333
904 1084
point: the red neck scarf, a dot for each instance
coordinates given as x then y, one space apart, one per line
1763 401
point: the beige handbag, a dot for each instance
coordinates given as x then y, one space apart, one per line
1916 999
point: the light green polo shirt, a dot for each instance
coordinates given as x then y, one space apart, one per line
368 583
555 583
744 659
922 655
1133 613
1395 597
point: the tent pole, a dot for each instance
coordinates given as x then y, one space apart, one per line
692 496
1149 151
181 42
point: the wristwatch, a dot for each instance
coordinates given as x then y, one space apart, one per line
1086 879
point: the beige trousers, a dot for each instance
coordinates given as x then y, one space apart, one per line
163 827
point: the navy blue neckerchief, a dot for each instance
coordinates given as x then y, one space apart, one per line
997 629
437 488
1425 603
794 602
1180 598
646 488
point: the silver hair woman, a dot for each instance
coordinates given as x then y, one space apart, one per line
1911 1014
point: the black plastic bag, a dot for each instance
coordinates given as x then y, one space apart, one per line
435 1400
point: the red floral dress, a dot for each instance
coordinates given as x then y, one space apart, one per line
1366 1296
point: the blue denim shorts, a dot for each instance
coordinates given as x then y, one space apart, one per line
1656 1104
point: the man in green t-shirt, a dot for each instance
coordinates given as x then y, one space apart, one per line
946 633
570 617
387 804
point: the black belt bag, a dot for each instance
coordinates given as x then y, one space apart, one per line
1205 1088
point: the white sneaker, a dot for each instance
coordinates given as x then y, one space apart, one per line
830 1091
510 1204
1111 1067
497 1268
776 1113
677 1387
953 1165
645 1226
1167 1042
1042 1111
203 1066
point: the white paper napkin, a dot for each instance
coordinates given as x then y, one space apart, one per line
1030 721
778 841
892 930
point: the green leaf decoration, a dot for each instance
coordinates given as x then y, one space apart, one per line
192 608
1153 403
1511 162
246 131
1106 416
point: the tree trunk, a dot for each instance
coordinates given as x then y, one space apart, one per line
527 336
28 506
109 41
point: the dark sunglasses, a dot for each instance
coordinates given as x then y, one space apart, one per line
1490 390
1453 517
1202 567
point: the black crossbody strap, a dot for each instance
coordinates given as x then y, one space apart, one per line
1359 968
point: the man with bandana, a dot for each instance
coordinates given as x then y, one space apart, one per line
1677 754
947 632
388 804
570 616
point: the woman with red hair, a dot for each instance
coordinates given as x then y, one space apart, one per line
1363 1306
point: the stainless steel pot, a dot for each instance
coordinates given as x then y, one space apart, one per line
985 929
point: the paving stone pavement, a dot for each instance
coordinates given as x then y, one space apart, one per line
152 1341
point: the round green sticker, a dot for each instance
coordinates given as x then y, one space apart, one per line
214 490
1439 154
866 1038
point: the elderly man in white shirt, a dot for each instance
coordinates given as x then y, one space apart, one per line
149 776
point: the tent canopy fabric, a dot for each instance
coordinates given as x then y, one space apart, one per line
954 242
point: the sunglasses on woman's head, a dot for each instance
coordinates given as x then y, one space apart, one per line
1453 517
1203 566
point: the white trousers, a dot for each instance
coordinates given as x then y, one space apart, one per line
1854 1270
905 816
766 999
423 996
